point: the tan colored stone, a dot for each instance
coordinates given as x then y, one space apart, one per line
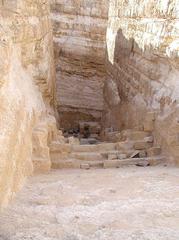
111 164
154 151
27 93
60 147
112 156
124 146
149 139
148 126
122 156
41 165
62 164
87 156
134 135
141 145
153 161
85 166
73 140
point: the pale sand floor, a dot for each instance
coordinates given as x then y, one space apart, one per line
100 204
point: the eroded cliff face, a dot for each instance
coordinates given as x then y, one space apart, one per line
27 96
79 41
143 68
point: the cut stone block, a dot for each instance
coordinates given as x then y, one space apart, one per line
134 135
86 156
60 147
142 145
122 156
112 156
148 126
154 151
125 162
113 136
149 139
85 166
97 164
151 116
85 148
111 164
124 146
54 156
106 147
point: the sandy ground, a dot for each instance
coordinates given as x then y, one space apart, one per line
101 204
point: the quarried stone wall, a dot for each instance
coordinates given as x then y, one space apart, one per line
143 68
79 40
27 97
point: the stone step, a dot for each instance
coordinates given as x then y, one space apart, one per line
89 141
77 164
94 148
60 147
62 164
142 145
110 155
86 156
102 147
134 161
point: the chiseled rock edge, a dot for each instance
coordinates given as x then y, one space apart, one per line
27 96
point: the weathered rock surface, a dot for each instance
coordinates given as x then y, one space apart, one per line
143 62
79 41
26 89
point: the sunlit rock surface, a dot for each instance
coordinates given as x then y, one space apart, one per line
26 87
142 59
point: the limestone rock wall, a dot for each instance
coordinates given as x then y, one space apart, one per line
79 40
143 67
27 96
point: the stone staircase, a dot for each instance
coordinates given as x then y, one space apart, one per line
133 147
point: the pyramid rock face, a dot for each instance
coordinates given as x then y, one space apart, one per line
26 87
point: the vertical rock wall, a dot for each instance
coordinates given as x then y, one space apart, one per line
143 67
27 96
79 39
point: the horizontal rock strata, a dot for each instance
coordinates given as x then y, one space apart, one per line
26 88
143 67
79 40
